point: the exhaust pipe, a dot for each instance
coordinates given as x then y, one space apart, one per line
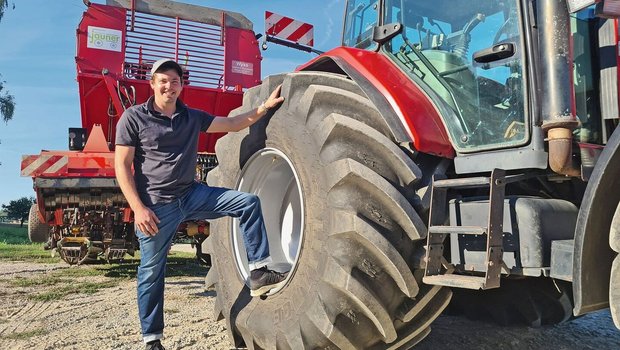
557 85
561 152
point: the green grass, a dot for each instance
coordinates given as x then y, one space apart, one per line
25 335
32 252
15 246
33 282
13 234
73 288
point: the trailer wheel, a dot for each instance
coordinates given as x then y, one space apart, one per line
533 302
37 231
338 199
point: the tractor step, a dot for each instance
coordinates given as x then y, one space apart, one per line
461 230
456 281
436 272
472 182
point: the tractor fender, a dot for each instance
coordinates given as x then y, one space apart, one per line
408 110
593 256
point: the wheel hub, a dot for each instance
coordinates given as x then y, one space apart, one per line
270 175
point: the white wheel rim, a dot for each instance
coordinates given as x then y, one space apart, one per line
270 175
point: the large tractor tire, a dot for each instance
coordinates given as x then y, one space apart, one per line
37 232
614 279
338 198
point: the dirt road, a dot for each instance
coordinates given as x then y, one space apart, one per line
108 319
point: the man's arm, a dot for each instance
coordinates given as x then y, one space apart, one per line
244 120
144 217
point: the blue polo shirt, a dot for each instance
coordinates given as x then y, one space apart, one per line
165 149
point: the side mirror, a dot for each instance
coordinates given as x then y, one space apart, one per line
384 33
494 53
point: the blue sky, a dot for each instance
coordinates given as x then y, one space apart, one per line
37 63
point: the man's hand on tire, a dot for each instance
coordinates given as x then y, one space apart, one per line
274 99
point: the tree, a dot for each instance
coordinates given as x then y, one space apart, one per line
19 209
7 102
4 4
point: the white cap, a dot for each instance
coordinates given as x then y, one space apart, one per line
165 64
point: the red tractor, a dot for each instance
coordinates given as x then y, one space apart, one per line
80 210
450 149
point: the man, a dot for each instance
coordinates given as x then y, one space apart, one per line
159 138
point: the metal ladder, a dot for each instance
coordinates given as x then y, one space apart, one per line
437 232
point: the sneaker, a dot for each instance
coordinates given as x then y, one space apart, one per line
154 345
263 280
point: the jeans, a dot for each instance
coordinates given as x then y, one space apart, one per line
199 203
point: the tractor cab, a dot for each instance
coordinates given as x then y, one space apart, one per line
501 73
469 61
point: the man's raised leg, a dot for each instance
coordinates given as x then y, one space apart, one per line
204 202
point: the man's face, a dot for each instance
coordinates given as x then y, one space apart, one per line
167 86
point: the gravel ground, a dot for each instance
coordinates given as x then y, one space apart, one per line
108 319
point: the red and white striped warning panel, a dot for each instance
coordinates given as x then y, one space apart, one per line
286 28
33 165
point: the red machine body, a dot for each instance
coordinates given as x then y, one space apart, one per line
117 44
422 121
